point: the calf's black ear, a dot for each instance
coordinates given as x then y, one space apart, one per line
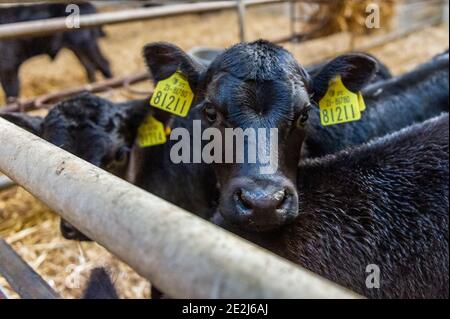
100 286
32 124
356 69
163 59
135 112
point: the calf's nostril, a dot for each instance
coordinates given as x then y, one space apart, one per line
281 197
242 198
262 200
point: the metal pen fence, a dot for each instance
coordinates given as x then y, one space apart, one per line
185 256
160 241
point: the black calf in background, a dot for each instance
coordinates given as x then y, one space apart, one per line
82 42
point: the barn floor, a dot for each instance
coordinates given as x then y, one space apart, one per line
33 230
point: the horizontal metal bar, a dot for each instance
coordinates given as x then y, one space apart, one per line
3 294
399 33
49 26
97 87
5 183
21 277
183 255
29 2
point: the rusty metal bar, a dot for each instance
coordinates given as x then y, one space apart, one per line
51 98
182 254
375 41
21 277
102 86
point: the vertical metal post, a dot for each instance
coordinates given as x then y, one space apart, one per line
445 12
293 19
240 5
21 277
3 294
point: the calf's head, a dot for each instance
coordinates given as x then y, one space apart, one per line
95 129
91 128
259 88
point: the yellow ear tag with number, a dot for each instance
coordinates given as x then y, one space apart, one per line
339 105
173 95
151 133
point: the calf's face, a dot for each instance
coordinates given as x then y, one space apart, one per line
95 129
91 128
260 89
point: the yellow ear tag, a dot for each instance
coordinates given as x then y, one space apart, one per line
339 105
173 95
362 104
151 133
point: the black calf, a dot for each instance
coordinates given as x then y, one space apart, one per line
14 52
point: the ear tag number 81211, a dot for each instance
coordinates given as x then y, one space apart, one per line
340 105
173 95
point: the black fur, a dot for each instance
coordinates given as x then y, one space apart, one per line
177 183
95 119
82 42
103 133
32 124
167 59
190 186
356 69
256 61
383 203
261 85
382 74
92 128
100 286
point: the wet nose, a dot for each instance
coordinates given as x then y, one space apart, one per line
71 233
263 206
262 199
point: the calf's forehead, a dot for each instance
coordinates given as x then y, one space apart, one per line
257 75
263 103
229 91
257 61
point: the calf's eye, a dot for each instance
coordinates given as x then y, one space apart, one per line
210 114
301 121
121 154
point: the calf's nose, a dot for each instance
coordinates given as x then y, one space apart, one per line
262 206
260 199
71 233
